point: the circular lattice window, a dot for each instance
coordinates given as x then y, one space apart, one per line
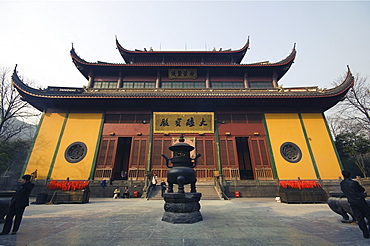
291 152
75 152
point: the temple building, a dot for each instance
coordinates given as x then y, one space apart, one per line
243 123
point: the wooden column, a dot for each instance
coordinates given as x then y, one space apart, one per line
274 80
245 80
120 79
208 82
158 80
91 80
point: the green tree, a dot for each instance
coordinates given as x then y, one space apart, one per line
354 149
12 157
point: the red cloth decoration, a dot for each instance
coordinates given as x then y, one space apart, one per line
300 184
68 185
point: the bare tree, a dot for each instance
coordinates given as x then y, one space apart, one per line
353 113
349 122
13 110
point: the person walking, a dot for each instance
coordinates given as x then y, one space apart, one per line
17 205
356 198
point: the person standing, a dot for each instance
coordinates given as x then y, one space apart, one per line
17 205
154 180
356 198
163 187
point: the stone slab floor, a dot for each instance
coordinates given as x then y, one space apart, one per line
240 221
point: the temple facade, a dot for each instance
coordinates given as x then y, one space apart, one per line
243 123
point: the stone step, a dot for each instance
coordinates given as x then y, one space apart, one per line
155 194
208 192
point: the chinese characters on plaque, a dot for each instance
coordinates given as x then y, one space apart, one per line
183 122
182 73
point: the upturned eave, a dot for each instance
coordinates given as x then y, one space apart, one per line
162 99
128 55
85 67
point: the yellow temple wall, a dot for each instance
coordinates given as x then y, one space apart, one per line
58 130
80 127
309 132
322 147
45 144
286 127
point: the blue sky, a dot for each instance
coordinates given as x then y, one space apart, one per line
38 35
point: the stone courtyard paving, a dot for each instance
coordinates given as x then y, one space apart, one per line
240 221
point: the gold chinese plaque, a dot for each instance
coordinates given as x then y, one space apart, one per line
183 122
182 73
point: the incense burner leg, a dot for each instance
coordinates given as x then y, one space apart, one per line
170 187
192 187
181 183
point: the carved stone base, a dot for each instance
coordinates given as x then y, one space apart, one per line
182 208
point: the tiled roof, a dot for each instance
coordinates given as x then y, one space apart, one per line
300 92
245 47
78 60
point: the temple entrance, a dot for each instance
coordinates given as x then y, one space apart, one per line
245 164
122 157
204 145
